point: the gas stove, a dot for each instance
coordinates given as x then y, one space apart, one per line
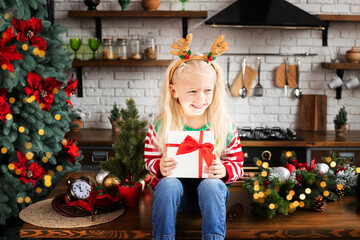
268 134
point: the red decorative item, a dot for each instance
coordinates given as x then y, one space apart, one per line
4 106
290 167
27 31
72 151
42 89
130 195
29 173
303 166
8 53
71 87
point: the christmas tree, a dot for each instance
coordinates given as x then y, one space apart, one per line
128 164
34 110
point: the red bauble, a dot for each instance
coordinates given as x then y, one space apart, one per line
290 167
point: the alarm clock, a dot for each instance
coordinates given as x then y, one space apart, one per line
78 189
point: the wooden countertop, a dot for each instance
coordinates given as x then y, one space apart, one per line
339 221
105 137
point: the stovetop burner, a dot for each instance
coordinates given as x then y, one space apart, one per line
263 134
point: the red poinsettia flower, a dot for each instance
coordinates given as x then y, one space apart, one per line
29 173
8 53
28 30
72 151
42 89
4 106
71 87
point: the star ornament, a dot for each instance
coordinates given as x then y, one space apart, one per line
4 106
28 31
8 53
28 173
41 89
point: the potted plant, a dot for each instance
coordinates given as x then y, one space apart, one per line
115 117
128 164
79 114
340 121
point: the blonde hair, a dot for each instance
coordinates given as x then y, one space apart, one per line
216 115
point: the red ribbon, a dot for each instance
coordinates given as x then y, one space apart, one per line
304 165
190 145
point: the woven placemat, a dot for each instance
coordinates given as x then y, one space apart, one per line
43 215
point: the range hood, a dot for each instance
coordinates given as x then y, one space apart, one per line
278 14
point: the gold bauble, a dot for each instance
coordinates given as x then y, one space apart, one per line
110 183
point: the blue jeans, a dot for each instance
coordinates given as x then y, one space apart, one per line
172 195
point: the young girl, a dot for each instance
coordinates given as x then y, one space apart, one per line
193 99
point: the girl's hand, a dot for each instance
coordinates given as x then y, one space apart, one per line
166 165
216 169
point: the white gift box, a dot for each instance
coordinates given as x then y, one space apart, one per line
188 164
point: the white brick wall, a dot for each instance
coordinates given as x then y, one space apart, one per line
104 85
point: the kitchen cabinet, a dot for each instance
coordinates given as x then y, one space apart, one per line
353 154
339 67
98 15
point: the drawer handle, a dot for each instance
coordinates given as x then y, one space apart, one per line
99 156
266 155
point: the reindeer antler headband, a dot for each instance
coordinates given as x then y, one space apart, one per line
218 48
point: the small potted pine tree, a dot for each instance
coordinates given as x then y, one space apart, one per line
340 122
115 117
128 164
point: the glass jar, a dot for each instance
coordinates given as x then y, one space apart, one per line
121 49
150 49
134 47
108 49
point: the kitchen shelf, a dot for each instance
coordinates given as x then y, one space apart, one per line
335 18
124 63
340 68
98 15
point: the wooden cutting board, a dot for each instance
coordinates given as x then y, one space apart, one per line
250 75
280 76
313 112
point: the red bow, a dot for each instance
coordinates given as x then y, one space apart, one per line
205 149
304 165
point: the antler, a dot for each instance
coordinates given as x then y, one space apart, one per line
219 47
185 46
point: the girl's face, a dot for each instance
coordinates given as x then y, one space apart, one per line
195 89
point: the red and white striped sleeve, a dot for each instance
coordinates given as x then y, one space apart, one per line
152 153
233 159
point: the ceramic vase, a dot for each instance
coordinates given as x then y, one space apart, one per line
353 55
115 126
124 4
130 195
150 5
92 4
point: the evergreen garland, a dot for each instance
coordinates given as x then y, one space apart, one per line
32 136
276 192
128 164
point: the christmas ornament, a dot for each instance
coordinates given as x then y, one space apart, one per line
303 166
72 151
29 173
282 173
110 183
28 31
4 106
319 204
100 176
234 212
339 193
8 53
290 167
322 167
42 89
71 87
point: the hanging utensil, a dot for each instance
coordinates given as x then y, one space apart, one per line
297 90
258 90
286 86
228 71
243 91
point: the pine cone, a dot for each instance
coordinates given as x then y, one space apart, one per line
319 204
234 211
339 193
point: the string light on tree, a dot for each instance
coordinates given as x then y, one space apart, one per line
301 204
256 188
3 150
64 142
20 200
55 90
45 159
289 197
25 47
11 166
323 184
272 206
29 155
358 170
51 172
302 196
57 117
9 116
307 190
27 199
6 15
41 132
340 186
326 193
265 165
296 203
12 100
42 53
28 145
36 51
17 171
258 162
38 190
328 159
21 129
333 164
11 75
292 192
264 173
59 168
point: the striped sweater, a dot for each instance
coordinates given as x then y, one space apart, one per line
232 157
